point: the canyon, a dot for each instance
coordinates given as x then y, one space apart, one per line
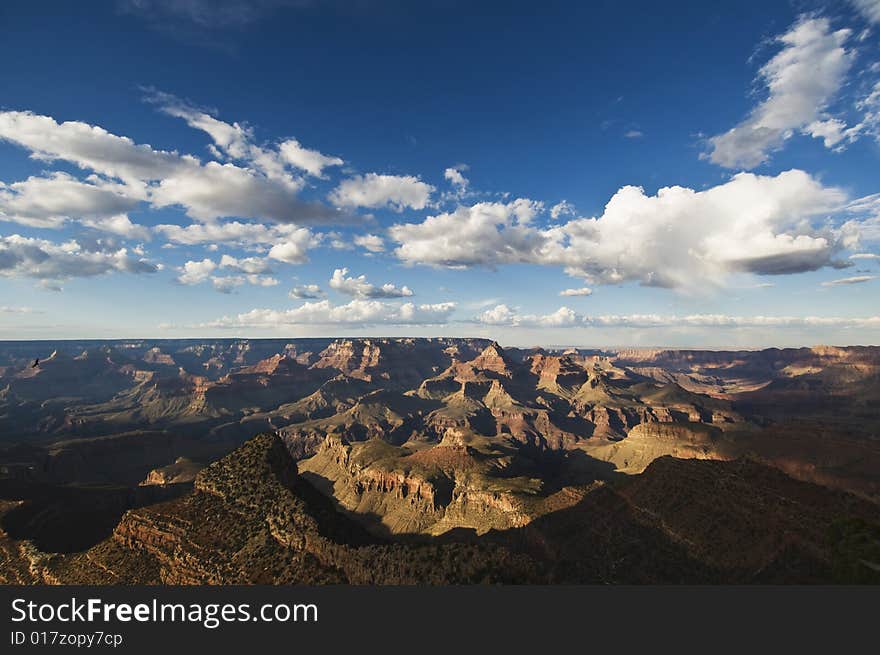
304 460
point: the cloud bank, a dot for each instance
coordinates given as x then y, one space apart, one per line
679 238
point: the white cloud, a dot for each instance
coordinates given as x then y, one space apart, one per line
866 216
356 313
205 191
306 292
870 9
498 315
865 255
487 233
214 190
561 209
120 225
562 317
833 132
197 272
679 238
310 161
48 202
261 280
231 140
583 291
89 147
336 240
371 242
236 141
857 279
289 243
397 192
459 183
801 80
723 320
295 247
248 265
360 288
455 178
502 315
233 232
870 108
633 134
227 283
47 260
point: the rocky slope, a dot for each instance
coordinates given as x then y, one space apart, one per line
430 436
252 519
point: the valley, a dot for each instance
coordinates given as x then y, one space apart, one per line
302 460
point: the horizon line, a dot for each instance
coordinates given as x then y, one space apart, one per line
609 347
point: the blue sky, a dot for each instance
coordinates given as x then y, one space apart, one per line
557 173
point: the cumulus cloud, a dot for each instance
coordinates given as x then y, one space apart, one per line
248 265
561 209
498 315
48 202
460 185
196 272
206 191
227 283
360 288
370 242
89 147
295 247
680 238
502 315
487 233
234 232
455 177
355 313
306 292
833 132
212 191
397 192
801 80
336 240
289 244
857 279
50 261
119 225
583 291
